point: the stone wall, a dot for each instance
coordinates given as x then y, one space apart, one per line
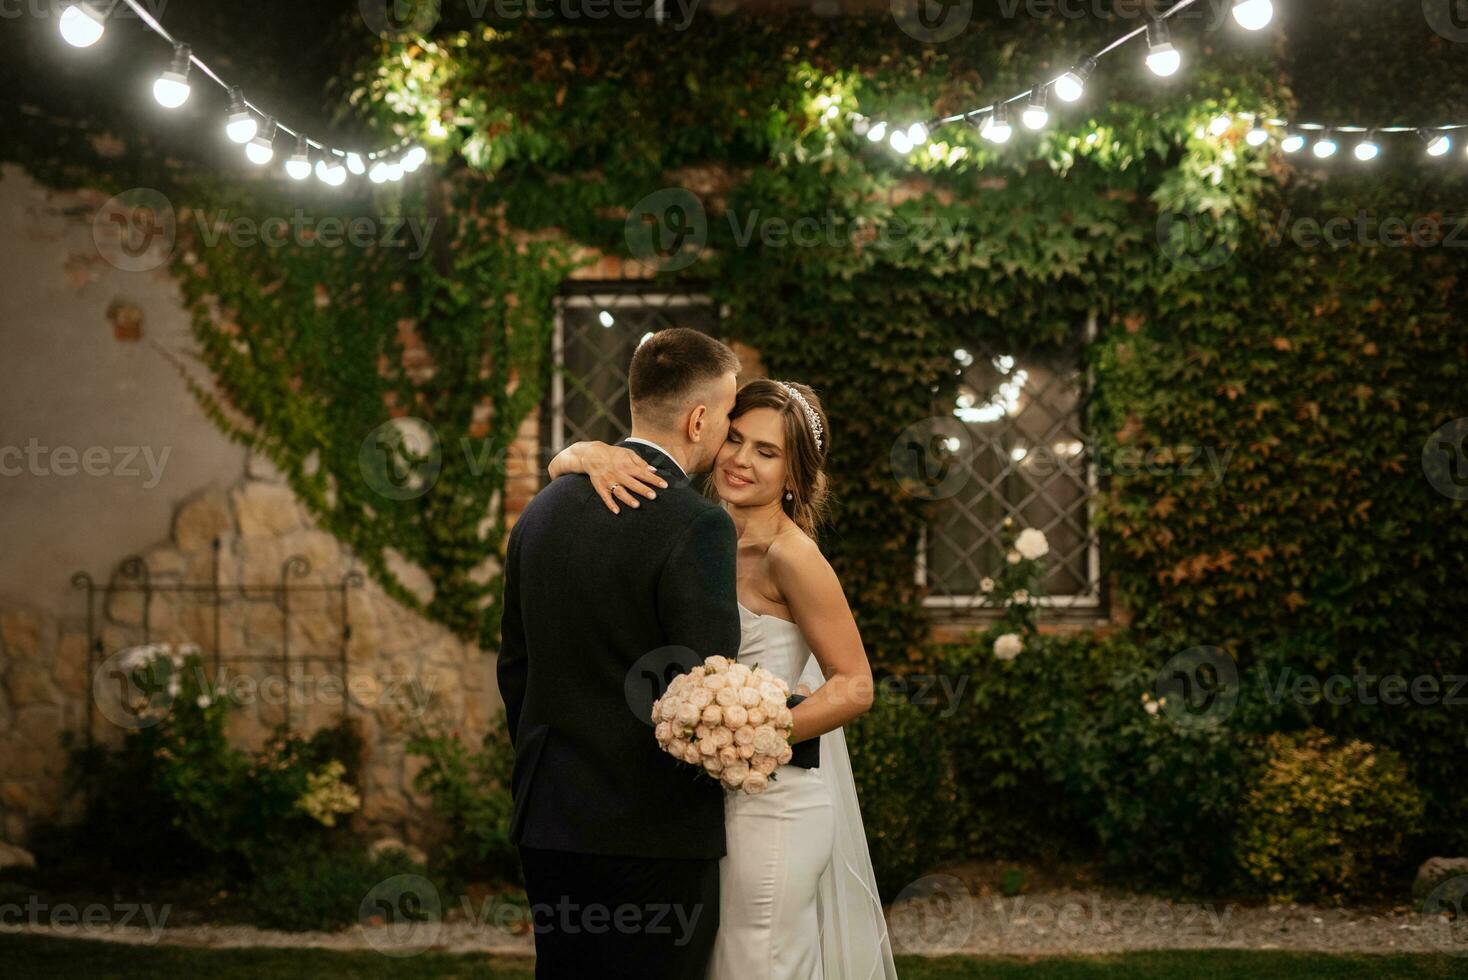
400 668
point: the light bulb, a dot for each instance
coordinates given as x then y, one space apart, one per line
899 141
1292 143
996 128
1257 136
917 134
606 318
1325 147
355 164
394 171
82 25
261 149
299 165
1072 85
1035 115
1437 143
1253 14
172 87
378 173
1367 149
877 131
1220 124
414 158
241 126
1162 58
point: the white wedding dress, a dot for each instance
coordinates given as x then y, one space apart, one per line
797 896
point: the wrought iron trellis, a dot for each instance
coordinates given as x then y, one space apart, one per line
134 576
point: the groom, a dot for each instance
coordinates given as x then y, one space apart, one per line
620 844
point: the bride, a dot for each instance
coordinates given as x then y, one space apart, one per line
798 899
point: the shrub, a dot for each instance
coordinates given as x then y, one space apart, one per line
1325 820
471 791
306 886
904 785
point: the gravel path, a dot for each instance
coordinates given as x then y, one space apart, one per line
941 921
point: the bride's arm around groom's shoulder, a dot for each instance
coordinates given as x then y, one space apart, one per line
813 594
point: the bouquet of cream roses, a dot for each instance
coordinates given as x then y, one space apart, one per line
728 718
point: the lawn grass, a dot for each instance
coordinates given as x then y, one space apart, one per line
36 957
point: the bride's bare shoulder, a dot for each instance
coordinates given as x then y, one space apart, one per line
793 552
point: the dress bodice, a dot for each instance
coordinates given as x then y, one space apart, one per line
772 643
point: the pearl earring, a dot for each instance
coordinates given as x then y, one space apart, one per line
789 495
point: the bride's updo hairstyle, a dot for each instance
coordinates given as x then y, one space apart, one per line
807 445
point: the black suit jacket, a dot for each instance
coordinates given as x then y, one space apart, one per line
593 602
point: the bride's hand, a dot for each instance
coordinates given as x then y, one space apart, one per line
615 471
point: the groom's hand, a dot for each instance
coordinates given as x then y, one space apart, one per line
807 754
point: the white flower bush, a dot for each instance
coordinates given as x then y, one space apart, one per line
1008 646
1032 544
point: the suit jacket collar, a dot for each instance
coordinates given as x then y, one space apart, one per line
666 465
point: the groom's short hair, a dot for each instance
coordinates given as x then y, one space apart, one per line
670 369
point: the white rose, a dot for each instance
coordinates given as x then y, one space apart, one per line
756 718
713 715
692 755
767 741
744 735
715 663
735 716
765 764
713 764
763 674
664 732
771 709
1008 646
735 775
771 691
786 752
1020 596
668 708
716 682
1151 707
726 697
749 697
701 730
1031 543
746 751
728 755
755 783
783 718
701 698
687 714
739 675
986 584
1013 557
707 746
722 736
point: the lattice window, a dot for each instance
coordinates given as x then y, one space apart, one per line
597 330
1018 447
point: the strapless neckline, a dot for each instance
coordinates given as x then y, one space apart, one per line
778 619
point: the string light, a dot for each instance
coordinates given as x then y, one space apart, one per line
241 126
1035 115
1162 58
917 134
996 128
1437 143
1367 149
172 87
82 24
1072 85
1220 124
1252 15
1292 143
1325 147
261 149
1257 135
